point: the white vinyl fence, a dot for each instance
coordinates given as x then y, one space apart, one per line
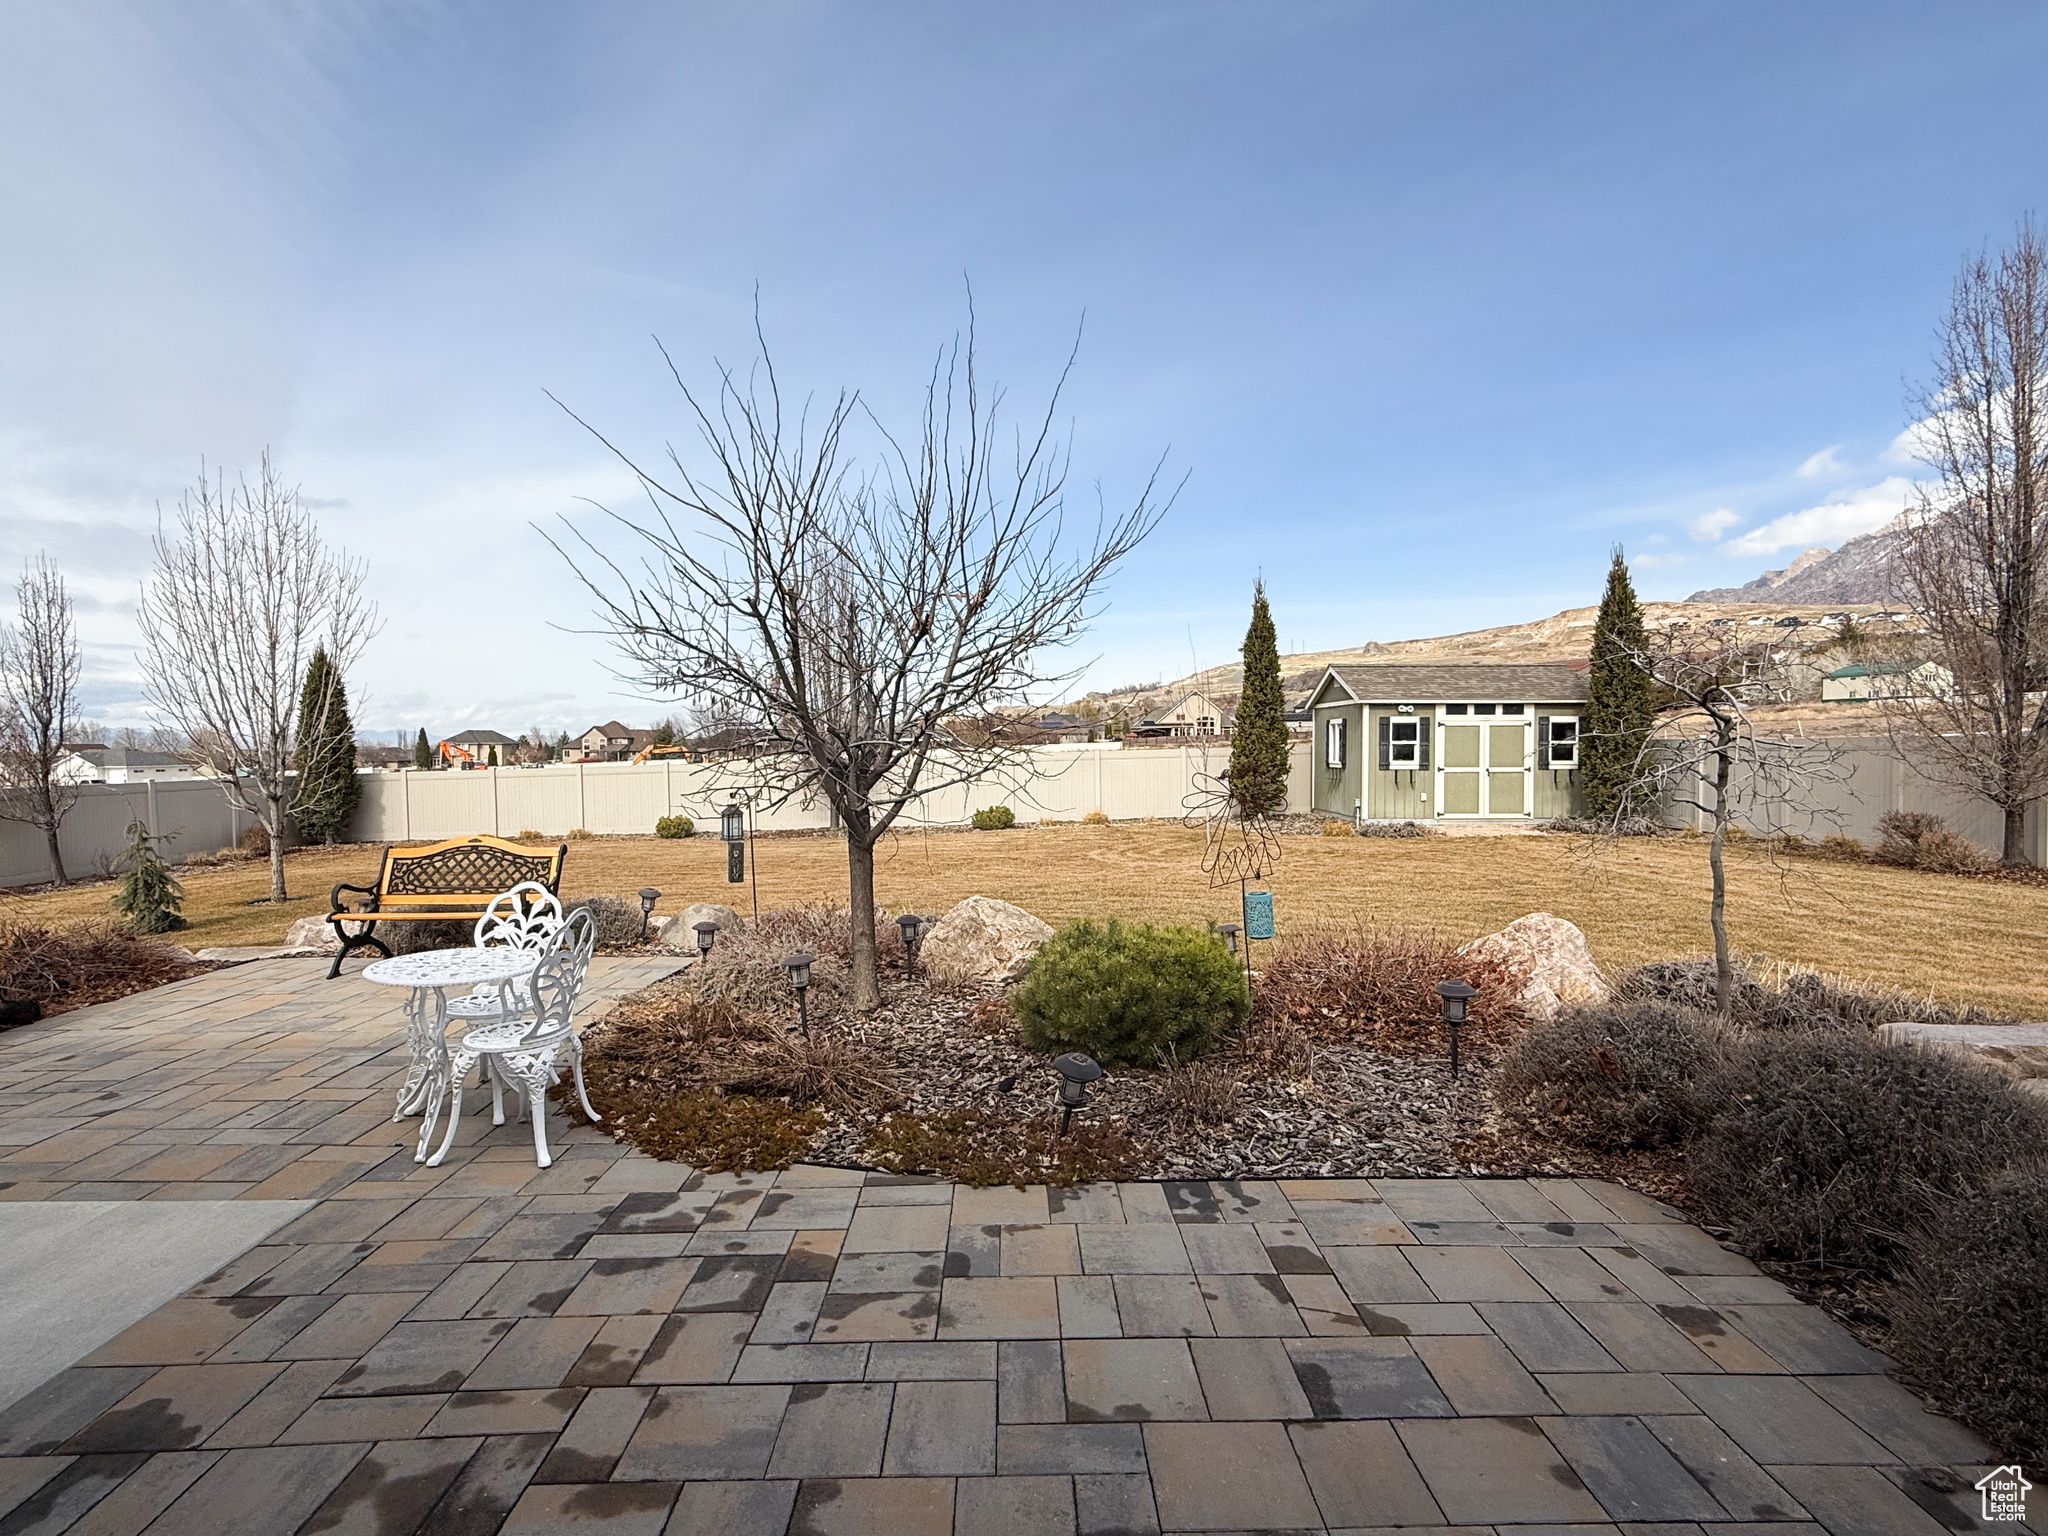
193 813
1053 785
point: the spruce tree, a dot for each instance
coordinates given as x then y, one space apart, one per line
1622 705
148 897
1258 742
493 760
325 755
422 753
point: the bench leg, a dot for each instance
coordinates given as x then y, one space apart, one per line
352 942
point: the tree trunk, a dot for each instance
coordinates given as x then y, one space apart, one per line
860 890
2014 854
275 827
1717 912
58 877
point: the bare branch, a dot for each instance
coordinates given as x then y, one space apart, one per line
39 672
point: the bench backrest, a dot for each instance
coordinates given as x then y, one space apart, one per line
469 866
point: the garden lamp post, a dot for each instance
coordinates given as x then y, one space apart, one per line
732 824
911 926
648 897
1456 996
799 967
1230 932
706 932
1076 1073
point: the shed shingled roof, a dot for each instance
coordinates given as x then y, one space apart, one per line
1437 682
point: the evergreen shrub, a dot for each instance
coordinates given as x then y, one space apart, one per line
1130 993
997 818
1614 1076
674 826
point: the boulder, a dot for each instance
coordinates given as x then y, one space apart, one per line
2021 1049
680 931
983 939
1551 959
312 933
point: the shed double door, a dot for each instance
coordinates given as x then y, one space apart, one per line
1483 767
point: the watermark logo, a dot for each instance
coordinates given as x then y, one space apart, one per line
2005 1495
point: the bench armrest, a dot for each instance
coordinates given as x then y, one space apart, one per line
334 899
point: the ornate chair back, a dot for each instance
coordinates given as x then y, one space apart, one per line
558 979
525 917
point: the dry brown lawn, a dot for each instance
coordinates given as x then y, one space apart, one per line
1956 938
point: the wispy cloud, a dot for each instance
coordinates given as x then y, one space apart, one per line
1854 512
1827 462
1709 526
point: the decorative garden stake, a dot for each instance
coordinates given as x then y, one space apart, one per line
648 897
1456 995
799 967
706 932
911 926
1076 1073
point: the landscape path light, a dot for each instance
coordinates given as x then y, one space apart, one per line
706 932
799 968
911 926
1456 995
1076 1073
648 897
1230 932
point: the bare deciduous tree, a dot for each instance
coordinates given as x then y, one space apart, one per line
242 593
1707 753
836 621
39 671
1973 560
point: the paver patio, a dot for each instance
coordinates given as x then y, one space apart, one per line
615 1344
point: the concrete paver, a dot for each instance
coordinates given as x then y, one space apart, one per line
623 1345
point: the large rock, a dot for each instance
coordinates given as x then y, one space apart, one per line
680 931
311 933
983 939
1551 959
2022 1049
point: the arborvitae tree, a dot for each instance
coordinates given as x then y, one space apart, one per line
148 898
494 757
422 752
1258 742
325 756
1623 702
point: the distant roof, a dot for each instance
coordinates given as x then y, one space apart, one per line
613 728
1531 682
1876 669
483 739
126 757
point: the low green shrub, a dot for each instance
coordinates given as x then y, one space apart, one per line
1130 992
997 818
1827 1148
1615 1076
1969 1311
674 826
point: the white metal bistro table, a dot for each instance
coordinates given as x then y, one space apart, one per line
428 975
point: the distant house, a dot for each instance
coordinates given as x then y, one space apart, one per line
607 743
1881 680
91 763
1445 742
1192 715
1055 727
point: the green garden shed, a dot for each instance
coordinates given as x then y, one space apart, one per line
1450 741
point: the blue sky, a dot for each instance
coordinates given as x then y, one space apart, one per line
1432 304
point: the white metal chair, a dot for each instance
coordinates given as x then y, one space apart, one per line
526 917
522 1050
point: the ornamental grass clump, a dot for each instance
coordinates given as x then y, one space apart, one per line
1969 1311
1376 987
1130 993
56 969
1615 1076
1828 1148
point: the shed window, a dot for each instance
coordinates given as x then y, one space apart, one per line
1404 743
1511 709
1484 709
1559 744
1333 743
1455 709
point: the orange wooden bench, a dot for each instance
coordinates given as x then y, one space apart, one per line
450 881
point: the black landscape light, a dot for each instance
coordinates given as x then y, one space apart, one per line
706 932
1229 931
1076 1073
648 897
1456 995
732 824
911 926
799 968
